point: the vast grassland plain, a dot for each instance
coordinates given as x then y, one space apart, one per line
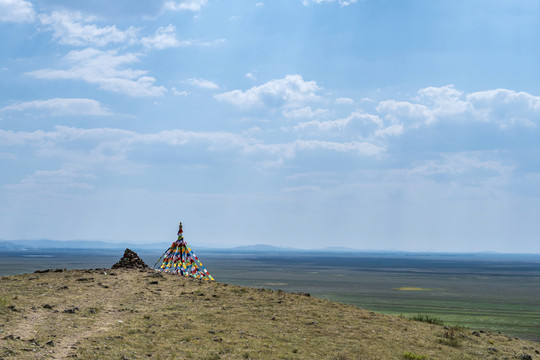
105 314
482 291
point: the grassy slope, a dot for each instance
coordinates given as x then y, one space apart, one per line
127 314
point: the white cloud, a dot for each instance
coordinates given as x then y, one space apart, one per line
55 180
105 69
164 37
177 92
440 95
250 76
391 130
284 151
291 91
201 43
123 139
192 5
397 112
344 101
357 124
61 106
90 150
505 108
362 148
72 28
463 164
305 112
202 83
17 11
341 3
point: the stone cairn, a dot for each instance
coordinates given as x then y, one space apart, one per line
130 260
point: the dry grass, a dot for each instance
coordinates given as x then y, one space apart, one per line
123 314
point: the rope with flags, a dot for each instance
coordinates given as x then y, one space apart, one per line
179 259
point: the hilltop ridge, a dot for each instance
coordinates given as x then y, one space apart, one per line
142 314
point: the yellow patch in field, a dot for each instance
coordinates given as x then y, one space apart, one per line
410 288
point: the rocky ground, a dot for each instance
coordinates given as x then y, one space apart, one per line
137 313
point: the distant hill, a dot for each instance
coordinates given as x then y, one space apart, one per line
43 244
8 245
132 314
261 247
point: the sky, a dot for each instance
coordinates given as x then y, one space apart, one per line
374 124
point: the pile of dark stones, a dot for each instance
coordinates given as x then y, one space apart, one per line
130 260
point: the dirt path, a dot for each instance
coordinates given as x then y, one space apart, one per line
26 326
69 343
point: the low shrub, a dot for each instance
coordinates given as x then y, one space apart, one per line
410 356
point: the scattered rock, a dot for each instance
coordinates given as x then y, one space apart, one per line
492 349
13 308
475 333
525 357
302 293
85 279
50 343
32 341
71 311
130 260
47 306
155 282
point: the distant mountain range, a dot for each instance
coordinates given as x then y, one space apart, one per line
43 244
47 244
97 245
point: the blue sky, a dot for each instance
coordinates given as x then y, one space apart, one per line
394 125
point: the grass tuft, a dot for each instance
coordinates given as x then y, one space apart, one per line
450 336
453 342
4 303
410 356
428 319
